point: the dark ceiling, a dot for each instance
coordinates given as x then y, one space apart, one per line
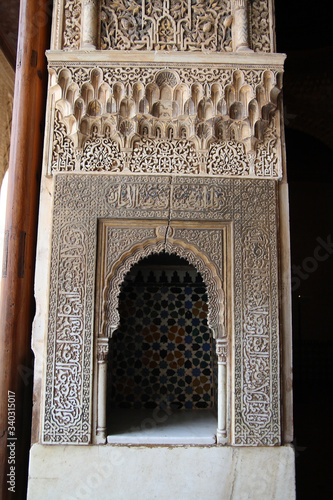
304 33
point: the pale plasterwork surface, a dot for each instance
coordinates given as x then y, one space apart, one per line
250 205
218 118
122 472
171 25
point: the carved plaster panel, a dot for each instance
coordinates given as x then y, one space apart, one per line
261 26
251 207
217 121
211 245
72 24
166 25
140 241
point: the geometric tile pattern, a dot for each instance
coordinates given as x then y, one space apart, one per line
162 351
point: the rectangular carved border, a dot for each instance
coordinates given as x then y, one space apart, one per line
67 25
251 205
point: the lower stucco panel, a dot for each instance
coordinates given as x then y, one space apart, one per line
147 473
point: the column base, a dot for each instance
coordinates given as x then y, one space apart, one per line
244 49
100 436
88 46
221 437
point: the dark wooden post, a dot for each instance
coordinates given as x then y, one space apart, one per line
17 288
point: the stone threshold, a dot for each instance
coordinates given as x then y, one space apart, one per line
165 427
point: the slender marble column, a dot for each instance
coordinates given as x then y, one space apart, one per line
90 24
241 25
102 368
221 351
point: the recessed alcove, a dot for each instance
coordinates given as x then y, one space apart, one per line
162 371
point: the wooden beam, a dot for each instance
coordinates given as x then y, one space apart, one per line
17 284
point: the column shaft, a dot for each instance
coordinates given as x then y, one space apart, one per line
221 351
241 25
102 367
90 19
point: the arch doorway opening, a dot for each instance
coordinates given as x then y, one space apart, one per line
162 369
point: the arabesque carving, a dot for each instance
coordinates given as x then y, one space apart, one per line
120 239
144 248
63 153
212 245
101 154
163 123
203 25
168 25
72 24
251 207
153 195
261 26
257 275
164 157
65 408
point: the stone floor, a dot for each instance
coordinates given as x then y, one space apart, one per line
162 427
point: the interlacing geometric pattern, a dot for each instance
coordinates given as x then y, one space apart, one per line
203 25
250 205
162 350
168 25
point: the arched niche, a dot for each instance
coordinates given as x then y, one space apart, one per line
111 279
111 289
162 365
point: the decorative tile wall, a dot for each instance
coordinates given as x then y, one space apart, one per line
161 352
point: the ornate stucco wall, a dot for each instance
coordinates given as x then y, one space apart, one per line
250 207
163 134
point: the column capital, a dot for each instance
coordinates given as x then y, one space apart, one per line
102 349
240 4
222 350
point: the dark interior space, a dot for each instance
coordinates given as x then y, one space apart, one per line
304 34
